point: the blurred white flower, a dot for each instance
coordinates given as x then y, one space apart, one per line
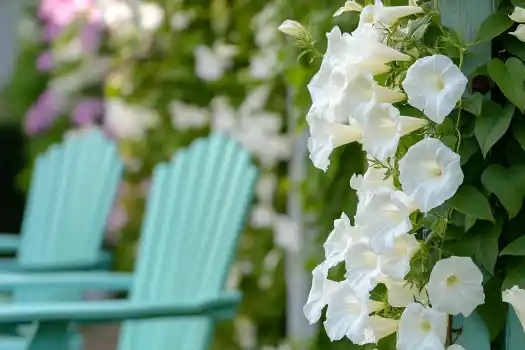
516 298
383 215
128 122
182 20
518 15
348 315
91 70
265 64
519 32
245 332
430 173
211 63
151 16
455 286
184 117
401 293
264 25
223 115
421 327
266 187
262 216
320 293
434 84
286 233
349 6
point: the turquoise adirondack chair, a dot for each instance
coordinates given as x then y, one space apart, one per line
194 216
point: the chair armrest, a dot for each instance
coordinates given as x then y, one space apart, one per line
110 281
115 310
9 243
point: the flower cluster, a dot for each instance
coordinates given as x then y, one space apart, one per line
405 182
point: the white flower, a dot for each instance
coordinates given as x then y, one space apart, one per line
350 5
373 179
337 243
519 33
518 15
117 16
430 173
211 63
186 117
516 297
325 136
421 327
222 115
381 328
320 293
127 121
151 16
293 29
383 216
182 20
455 286
395 263
401 293
434 85
362 267
348 315
455 347
413 2
375 19
383 127
265 64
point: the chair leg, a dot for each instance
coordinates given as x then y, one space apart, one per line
51 335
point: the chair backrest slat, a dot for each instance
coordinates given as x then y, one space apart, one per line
195 212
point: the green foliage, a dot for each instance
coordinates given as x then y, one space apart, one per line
470 201
510 77
493 311
507 185
494 25
516 248
492 124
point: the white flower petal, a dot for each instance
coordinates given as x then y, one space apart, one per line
455 347
434 85
430 173
395 263
455 286
401 293
383 216
292 28
381 328
373 179
362 267
421 327
320 292
518 15
519 32
350 5
339 240
516 297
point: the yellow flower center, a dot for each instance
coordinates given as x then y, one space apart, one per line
425 326
452 280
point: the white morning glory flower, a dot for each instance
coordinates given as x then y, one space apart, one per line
383 127
434 84
455 286
339 240
516 297
395 263
381 327
430 173
518 15
320 292
519 32
383 216
421 327
375 19
401 293
348 314
325 136
350 5
373 179
362 267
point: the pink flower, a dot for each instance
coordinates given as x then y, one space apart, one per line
90 36
44 62
43 113
51 31
87 111
63 12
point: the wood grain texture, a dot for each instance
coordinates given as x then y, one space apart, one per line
466 16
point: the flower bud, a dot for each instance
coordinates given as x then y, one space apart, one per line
292 28
518 15
350 5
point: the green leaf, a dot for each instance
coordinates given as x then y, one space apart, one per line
473 104
493 311
520 3
494 25
469 222
510 77
480 243
471 202
517 247
505 184
518 130
515 277
492 124
515 47
468 148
